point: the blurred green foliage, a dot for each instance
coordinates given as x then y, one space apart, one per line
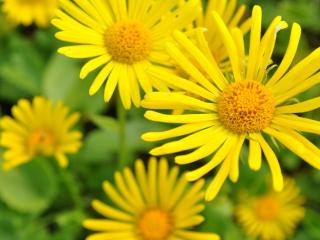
38 201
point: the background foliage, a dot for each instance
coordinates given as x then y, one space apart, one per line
41 202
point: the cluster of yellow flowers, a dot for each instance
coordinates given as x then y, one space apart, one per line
195 72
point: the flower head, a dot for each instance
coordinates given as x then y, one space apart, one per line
27 12
272 215
223 111
122 39
153 204
38 128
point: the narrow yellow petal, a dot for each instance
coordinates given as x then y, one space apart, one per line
267 46
219 156
182 84
94 64
192 141
128 235
180 118
235 158
230 46
134 87
80 15
83 51
110 212
273 163
175 132
144 80
62 160
217 182
152 182
297 123
189 235
296 147
124 88
189 68
289 55
211 68
111 82
100 79
141 175
210 147
116 197
175 100
254 153
255 36
301 107
106 225
298 74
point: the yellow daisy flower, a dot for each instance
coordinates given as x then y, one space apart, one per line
123 38
38 128
27 12
232 15
273 215
155 204
223 111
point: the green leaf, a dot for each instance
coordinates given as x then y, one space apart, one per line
100 145
10 92
135 128
23 66
311 223
60 76
29 188
70 225
104 122
61 82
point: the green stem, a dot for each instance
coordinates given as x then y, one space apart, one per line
121 115
71 184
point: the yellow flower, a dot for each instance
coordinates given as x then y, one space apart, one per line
273 215
38 128
123 38
152 205
224 111
232 15
27 12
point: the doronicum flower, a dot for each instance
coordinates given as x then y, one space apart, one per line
232 15
222 112
121 39
38 128
152 204
273 215
27 12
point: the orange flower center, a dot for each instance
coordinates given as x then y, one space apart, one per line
155 224
128 41
246 107
267 208
41 142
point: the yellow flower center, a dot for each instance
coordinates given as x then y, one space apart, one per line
267 208
246 107
128 41
155 224
42 142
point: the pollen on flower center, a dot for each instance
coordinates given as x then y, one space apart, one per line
245 107
128 41
41 141
267 208
155 224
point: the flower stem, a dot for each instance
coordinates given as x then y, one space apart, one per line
70 183
121 115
